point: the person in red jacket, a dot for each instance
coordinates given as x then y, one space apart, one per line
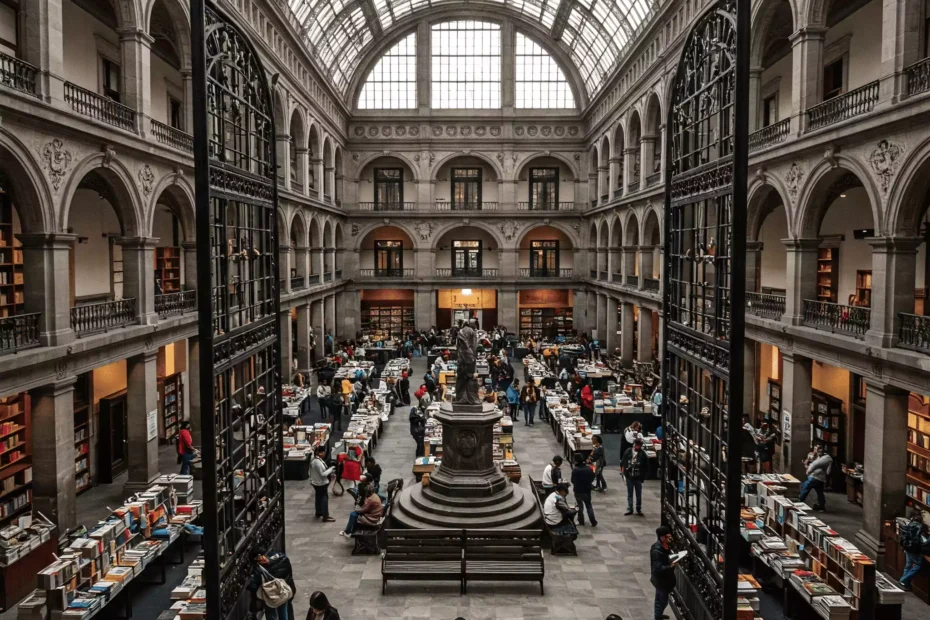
186 450
587 401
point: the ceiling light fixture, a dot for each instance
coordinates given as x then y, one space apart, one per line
466 291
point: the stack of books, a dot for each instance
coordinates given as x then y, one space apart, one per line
183 486
888 591
810 585
832 607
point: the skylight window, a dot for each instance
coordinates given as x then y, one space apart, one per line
392 84
466 65
540 82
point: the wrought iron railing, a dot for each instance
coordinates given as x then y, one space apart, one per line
918 77
651 285
766 306
632 186
339 274
328 276
175 303
94 318
314 278
298 282
842 107
387 206
314 193
653 179
297 187
386 273
485 272
166 134
852 320
605 197
914 332
18 75
99 107
19 332
546 206
327 198
632 281
593 202
602 275
444 205
618 192
769 136
529 272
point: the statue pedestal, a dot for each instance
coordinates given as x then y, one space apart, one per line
467 490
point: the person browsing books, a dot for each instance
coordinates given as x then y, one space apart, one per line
662 569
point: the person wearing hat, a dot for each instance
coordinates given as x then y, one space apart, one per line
663 570
633 466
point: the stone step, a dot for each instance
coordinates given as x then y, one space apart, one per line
409 513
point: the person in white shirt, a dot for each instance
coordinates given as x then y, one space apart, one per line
360 353
323 392
552 474
633 432
817 473
320 482
559 517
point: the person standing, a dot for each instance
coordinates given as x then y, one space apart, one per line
912 542
765 447
599 460
321 609
319 479
404 388
417 429
186 450
587 401
323 393
582 482
552 474
513 399
663 570
633 466
529 396
817 473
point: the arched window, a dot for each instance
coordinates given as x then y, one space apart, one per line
392 84
466 64
540 82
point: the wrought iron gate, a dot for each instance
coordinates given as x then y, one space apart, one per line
705 232
238 303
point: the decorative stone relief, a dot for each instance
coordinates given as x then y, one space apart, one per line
424 230
360 131
414 132
355 230
437 131
500 157
466 131
373 132
495 131
386 132
544 130
61 368
146 179
532 131
885 160
573 131
509 229
793 180
480 131
401 131
57 161
559 131
355 157
518 131
109 154
451 130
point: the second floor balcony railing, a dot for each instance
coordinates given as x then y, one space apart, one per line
546 206
445 205
914 332
94 318
651 285
387 206
769 136
19 332
653 179
484 272
618 193
539 272
175 303
298 282
297 187
918 77
18 75
849 105
174 138
328 276
605 197
602 275
594 202
593 274
339 274
632 186
99 107
850 320
386 273
766 306
632 281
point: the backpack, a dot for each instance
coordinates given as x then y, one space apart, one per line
910 537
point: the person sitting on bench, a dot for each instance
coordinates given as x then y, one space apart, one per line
368 514
559 517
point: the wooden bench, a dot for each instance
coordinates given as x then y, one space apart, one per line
557 544
368 539
503 555
423 555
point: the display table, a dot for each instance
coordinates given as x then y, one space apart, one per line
19 579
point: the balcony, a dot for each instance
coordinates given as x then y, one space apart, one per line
484 273
18 75
769 136
527 272
593 274
19 332
631 281
327 198
297 187
602 275
339 274
593 203
914 332
94 318
651 285
99 107
605 197
765 306
328 276
444 205
837 318
618 193
387 206
918 77
852 104
314 193
385 273
653 179
298 282
172 137
175 303
546 206
632 186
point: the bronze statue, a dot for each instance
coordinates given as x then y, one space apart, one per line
466 381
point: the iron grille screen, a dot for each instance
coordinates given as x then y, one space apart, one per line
704 287
237 252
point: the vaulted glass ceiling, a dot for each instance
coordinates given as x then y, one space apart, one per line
594 33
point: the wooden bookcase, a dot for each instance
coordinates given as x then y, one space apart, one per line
864 288
917 485
828 261
15 457
168 269
112 443
828 426
545 322
11 262
390 321
170 407
83 432
773 415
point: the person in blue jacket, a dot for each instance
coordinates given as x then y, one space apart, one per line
513 398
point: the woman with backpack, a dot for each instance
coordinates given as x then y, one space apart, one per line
913 543
513 398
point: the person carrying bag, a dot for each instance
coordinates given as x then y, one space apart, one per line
273 592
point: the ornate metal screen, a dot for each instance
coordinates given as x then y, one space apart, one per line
705 203
237 252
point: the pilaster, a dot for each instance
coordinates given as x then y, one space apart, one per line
796 413
286 360
806 73
141 402
318 327
139 276
626 334
894 270
47 287
800 277
53 452
609 344
43 39
644 329
304 361
189 249
136 50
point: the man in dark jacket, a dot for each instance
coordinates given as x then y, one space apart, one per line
599 459
633 466
663 570
582 481
417 429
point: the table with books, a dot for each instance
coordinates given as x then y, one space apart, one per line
26 545
299 442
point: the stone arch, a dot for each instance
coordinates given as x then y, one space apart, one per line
297 231
653 115
634 130
571 234
20 173
593 159
368 159
329 239
284 232
763 198
768 17
178 13
315 232
131 14
652 227
485 226
907 196
813 200
365 235
603 236
176 193
297 127
592 235
616 231
528 159
112 176
619 139
495 165
280 109
631 230
604 152
313 140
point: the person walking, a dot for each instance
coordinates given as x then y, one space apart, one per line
598 458
529 396
817 472
662 570
417 429
913 543
582 482
404 388
552 474
186 450
513 399
633 466
321 609
587 402
319 480
323 393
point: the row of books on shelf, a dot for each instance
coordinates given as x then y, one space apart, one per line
190 597
7 428
80 435
10 483
919 493
13 504
11 278
10 457
919 439
15 298
81 465
9 443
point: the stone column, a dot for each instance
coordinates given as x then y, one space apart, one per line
139 276
316 322
284 267
187 78
591 313
626 334
615 182
302 260
351 311
341 332
755 98
800 277
901 26
646 257
286 361
194 413
141 400
806 73
283 146
646 159
796 403
629 165
601 323
615 265
593 198
424 262
509 263
303 160
349 264
315 172
644 327
43 40
508 95
424 308
329 315
603 184
53 451
136 51
750 381
304 363
46 284
316 266
507 314
609 343
579 311
329 183
883 493
894 270
753 263
629 262
603 266
189 249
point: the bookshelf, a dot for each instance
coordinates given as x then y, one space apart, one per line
83 418
11 262
917 484
827 430
827 274
170 407
15 461
773 415
545 322
864 288
168 269
391 321
112 437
